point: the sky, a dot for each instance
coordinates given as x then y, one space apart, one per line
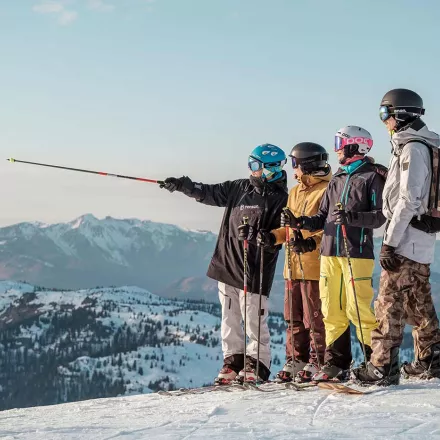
160 88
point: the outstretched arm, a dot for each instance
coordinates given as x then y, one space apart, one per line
213 195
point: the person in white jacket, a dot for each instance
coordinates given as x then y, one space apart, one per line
407 250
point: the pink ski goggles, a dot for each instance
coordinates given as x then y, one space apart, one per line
341 142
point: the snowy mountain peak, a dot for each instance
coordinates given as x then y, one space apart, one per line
86 219
89 251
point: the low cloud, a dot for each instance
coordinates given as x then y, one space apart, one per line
67 17
66 11
58 9
100 5
48 8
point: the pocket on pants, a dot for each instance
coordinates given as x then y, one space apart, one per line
227 301
364 288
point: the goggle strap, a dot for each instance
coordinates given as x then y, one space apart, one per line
323 156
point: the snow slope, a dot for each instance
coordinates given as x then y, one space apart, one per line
409 411
83 343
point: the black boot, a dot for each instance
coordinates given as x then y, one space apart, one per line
368 352
424 368
384 376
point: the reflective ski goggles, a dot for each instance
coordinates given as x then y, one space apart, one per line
310 160
384 113
341 142
255 165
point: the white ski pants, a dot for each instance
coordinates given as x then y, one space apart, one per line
232 302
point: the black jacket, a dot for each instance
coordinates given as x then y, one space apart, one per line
263 204
360 192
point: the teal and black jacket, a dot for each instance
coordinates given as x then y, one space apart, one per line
358 187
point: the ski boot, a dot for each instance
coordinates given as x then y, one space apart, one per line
427 368
289 371
306 374
251 372
231 366
330 373
226 376
382 376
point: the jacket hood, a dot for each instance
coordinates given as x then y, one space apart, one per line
417 131
308 180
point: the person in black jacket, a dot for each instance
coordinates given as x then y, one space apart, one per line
358 186
261 198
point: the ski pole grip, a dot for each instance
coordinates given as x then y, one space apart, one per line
245 220
339 206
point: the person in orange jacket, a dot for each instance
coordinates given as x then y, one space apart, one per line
303 310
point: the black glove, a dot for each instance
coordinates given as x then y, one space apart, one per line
388 259
289 219
245 232
342 217
266 238
301 245
182 184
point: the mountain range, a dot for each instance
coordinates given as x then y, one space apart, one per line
165 259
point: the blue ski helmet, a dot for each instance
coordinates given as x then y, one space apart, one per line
270 158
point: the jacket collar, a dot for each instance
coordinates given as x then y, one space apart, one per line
262 186
353 168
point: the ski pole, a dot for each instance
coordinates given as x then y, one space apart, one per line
259 310
290 293
100 173
245 267
350 268
311 318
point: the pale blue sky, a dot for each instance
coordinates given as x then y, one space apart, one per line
172 87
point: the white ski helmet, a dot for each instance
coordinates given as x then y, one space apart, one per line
354 140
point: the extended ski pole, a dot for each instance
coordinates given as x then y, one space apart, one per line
259 310
245 270
350 268
311 318
100 173
290 293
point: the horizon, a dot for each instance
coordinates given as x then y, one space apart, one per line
377 232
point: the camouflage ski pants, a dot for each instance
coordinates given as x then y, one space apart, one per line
404 297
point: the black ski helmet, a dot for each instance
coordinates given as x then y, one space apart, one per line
311 157
405 105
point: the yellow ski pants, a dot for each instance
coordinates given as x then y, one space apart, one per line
337 298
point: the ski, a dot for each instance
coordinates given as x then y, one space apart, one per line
264 387
299 386
340 388
271 386
202 390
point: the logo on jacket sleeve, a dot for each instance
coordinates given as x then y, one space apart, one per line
243 207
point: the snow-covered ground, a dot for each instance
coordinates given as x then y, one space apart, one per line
409 411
